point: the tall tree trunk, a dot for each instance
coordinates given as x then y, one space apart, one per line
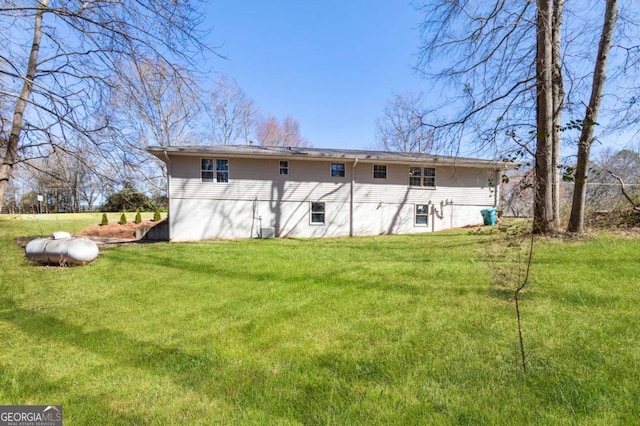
576 221
558 104
11 151
543 217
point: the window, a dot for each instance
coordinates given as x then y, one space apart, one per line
317 213
429 176
284 167
379 171
206 169
422 214
222 170
415 176
337 170
423 177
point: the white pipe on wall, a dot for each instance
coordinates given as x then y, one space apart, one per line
351 202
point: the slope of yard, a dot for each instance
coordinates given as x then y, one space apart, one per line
383 330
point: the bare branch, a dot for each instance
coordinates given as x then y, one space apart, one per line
635 206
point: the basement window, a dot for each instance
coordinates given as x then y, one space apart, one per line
422 214
317 213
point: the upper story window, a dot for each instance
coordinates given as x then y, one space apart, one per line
222 170
338 169
422 177
214 170
284 167
429 177
379 171
206 169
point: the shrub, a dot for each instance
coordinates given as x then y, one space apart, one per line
138 218
156 215
105 221
123 219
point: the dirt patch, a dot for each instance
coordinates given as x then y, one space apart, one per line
115 230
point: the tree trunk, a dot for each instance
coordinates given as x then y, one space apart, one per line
558 104
543 208
11 152
576 221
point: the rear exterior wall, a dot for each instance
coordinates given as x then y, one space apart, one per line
258 196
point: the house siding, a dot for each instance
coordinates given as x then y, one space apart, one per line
257 196
259 179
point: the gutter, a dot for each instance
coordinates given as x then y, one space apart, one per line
418 159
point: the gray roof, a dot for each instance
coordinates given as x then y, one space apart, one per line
367 156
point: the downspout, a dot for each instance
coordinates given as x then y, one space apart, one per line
437 214
351 202
496 194
433 218
169 161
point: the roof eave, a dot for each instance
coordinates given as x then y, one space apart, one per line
163 152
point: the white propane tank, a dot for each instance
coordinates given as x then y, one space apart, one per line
62 249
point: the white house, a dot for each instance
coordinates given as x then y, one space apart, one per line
253 191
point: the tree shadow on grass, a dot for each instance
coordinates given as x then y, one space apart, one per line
194 371
31 387
245 384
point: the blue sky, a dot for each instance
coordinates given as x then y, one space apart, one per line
330 64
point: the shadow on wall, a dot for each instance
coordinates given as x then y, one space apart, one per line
158 232
277 191
286 223
393 226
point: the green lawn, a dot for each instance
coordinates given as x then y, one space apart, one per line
384 330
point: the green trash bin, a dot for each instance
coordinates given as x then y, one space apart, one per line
489 216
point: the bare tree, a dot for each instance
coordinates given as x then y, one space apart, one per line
495 74
270 132
64 59
158 100
65 180
634 204
576 221
154 103
231 113
400 128
558 105
544 220
483 56
603 192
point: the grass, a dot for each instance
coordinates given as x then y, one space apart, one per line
382 330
